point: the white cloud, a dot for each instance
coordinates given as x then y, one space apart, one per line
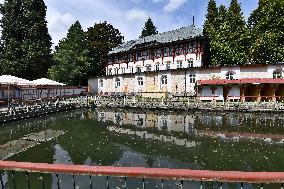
136 15
173 5
127 16
58 24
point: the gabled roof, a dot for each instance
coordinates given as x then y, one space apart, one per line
162 38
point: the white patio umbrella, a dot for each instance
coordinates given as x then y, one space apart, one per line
12 80
44 81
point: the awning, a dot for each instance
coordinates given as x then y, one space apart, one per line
241 81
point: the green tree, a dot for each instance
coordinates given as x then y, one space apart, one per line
238 34
227 34
211 18
219 39
209 29
72 59
102 37
12 37
26 44
266 25
149 28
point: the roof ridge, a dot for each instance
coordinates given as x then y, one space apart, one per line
187 32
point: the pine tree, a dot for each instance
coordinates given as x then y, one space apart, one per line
26 44
237 35
37 42
227 35
12 37
219 39
149 28
102 37
72 60
212 13
209 29
266 25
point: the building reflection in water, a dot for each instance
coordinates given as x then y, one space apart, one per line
222 125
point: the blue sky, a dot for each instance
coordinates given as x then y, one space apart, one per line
129 16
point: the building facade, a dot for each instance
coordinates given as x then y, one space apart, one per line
174 63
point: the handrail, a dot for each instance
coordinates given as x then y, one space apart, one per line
153 173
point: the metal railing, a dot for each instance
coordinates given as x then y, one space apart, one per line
160 174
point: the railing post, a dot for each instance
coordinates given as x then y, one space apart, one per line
125 182
28 180
91 182
14 179
42 180
58 182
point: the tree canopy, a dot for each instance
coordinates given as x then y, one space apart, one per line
149 28
226 33
72 58
266 25
102 37
26 44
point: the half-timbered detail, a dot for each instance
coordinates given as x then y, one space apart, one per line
172 63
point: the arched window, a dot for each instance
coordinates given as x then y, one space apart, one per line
140 81
101 83
277 74
164 80
192 78
117 82
230 75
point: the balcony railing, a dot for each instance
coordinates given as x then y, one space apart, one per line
222 178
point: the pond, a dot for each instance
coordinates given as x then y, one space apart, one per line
187 140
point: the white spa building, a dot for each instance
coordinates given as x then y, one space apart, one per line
174 64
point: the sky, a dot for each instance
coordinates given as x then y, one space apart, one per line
129 16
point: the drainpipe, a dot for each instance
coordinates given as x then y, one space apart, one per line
185 81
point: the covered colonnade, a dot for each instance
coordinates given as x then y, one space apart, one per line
244 90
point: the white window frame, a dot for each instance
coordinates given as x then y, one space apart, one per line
190 63
230 75
148 67
138 69
164 79
116 71
192 78
179 64
123 70
117 82
168 65
157 67
109 71
140 81
277 74
101 83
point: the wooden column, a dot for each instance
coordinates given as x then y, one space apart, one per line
242 91
274 88
258 92
213 89
198 91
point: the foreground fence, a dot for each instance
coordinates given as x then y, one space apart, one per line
145 177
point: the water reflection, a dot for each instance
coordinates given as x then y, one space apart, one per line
225 126
190 140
